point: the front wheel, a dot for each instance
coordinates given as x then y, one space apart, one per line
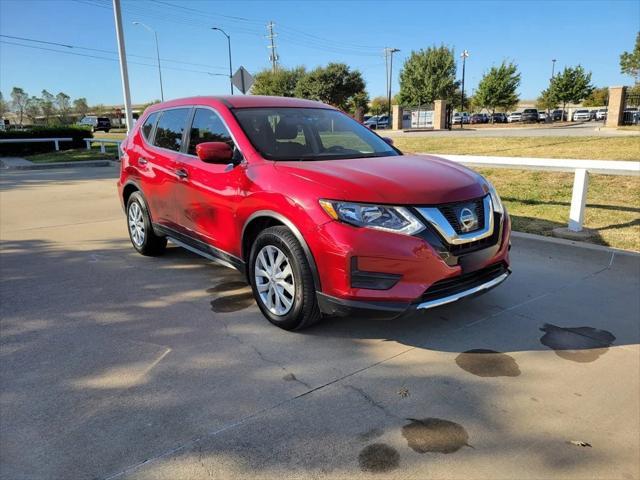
141 233
282 281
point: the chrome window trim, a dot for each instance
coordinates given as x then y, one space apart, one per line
437 220
457 296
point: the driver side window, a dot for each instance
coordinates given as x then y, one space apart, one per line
207 127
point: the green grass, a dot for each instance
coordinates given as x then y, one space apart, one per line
539 201
75 155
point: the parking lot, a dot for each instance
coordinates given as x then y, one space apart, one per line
115 365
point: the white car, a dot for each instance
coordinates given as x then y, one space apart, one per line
459 118
542 116
514 117
601 114
581 116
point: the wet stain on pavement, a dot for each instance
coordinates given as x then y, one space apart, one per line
289 377
578 344
488 363
435 435
378 458
232 303
227 287
370 434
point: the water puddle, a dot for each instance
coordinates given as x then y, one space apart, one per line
578 344
488 363
232 303
378 458
228 287
435 435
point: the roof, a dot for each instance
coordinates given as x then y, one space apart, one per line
248 101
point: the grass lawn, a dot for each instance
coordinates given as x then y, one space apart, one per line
539 201
75 155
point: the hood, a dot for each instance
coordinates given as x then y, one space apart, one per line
398 180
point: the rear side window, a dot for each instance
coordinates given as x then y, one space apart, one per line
147 127
170 128
207 127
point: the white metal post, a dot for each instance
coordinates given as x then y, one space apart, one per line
57 145
102 150
578 199
124 73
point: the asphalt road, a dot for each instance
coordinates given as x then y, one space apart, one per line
587 129
114 365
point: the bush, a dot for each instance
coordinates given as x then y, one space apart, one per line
24 149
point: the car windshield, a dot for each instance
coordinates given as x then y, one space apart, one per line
530 110
309 134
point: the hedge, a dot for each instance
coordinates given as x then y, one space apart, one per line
24 149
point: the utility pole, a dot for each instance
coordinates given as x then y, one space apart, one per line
124 73
274 55
388 57
464 56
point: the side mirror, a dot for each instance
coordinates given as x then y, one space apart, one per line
214 152
388 140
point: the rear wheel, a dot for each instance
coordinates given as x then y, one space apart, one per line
282 281
141 233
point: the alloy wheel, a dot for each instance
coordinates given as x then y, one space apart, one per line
136 224
274 280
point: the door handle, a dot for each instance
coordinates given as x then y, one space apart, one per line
142 161
182 173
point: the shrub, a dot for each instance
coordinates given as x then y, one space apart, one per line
23 149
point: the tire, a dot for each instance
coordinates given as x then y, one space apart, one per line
141 233
303 310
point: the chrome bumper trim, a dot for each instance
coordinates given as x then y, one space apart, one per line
434 216
457 296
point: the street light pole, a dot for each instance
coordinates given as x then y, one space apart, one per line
229 45
124 72
389 54
464 56
155 35
553 67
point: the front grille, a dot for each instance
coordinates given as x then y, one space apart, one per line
466 281
452 211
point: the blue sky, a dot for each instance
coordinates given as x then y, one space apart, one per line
592 33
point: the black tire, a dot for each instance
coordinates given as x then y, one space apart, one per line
304 310
149 244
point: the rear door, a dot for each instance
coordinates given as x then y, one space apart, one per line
157 164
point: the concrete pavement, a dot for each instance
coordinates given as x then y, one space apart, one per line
115 365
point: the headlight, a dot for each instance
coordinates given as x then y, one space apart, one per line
380 217
495 198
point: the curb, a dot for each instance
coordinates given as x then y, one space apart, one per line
54 165
573 243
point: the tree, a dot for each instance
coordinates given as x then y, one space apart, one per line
630 61
63 102
498 87
378 106
334 84
48 106
428 75
4 106
598 98
19 101
572 85
281 83
358 104
456 100
546 101
33 108
80 106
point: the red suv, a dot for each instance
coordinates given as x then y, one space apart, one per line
322 215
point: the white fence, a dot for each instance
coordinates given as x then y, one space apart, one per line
102 142
580 168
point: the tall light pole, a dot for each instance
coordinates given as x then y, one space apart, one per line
553 67
388 54
463 55
155 34
124 72
229 45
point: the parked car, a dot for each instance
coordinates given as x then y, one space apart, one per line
631 116
601 114
581 116
310 206
559 116
514 117
366 117
499 117
542 116
592 114
96 123
529 115
476 118
459 118
378 122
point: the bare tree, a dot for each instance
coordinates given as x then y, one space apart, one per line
19 100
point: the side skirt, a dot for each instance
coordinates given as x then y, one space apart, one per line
200 248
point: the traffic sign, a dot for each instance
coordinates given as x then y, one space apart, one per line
242 80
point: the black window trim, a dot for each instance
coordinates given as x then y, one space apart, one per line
152 133
224 123
161 112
